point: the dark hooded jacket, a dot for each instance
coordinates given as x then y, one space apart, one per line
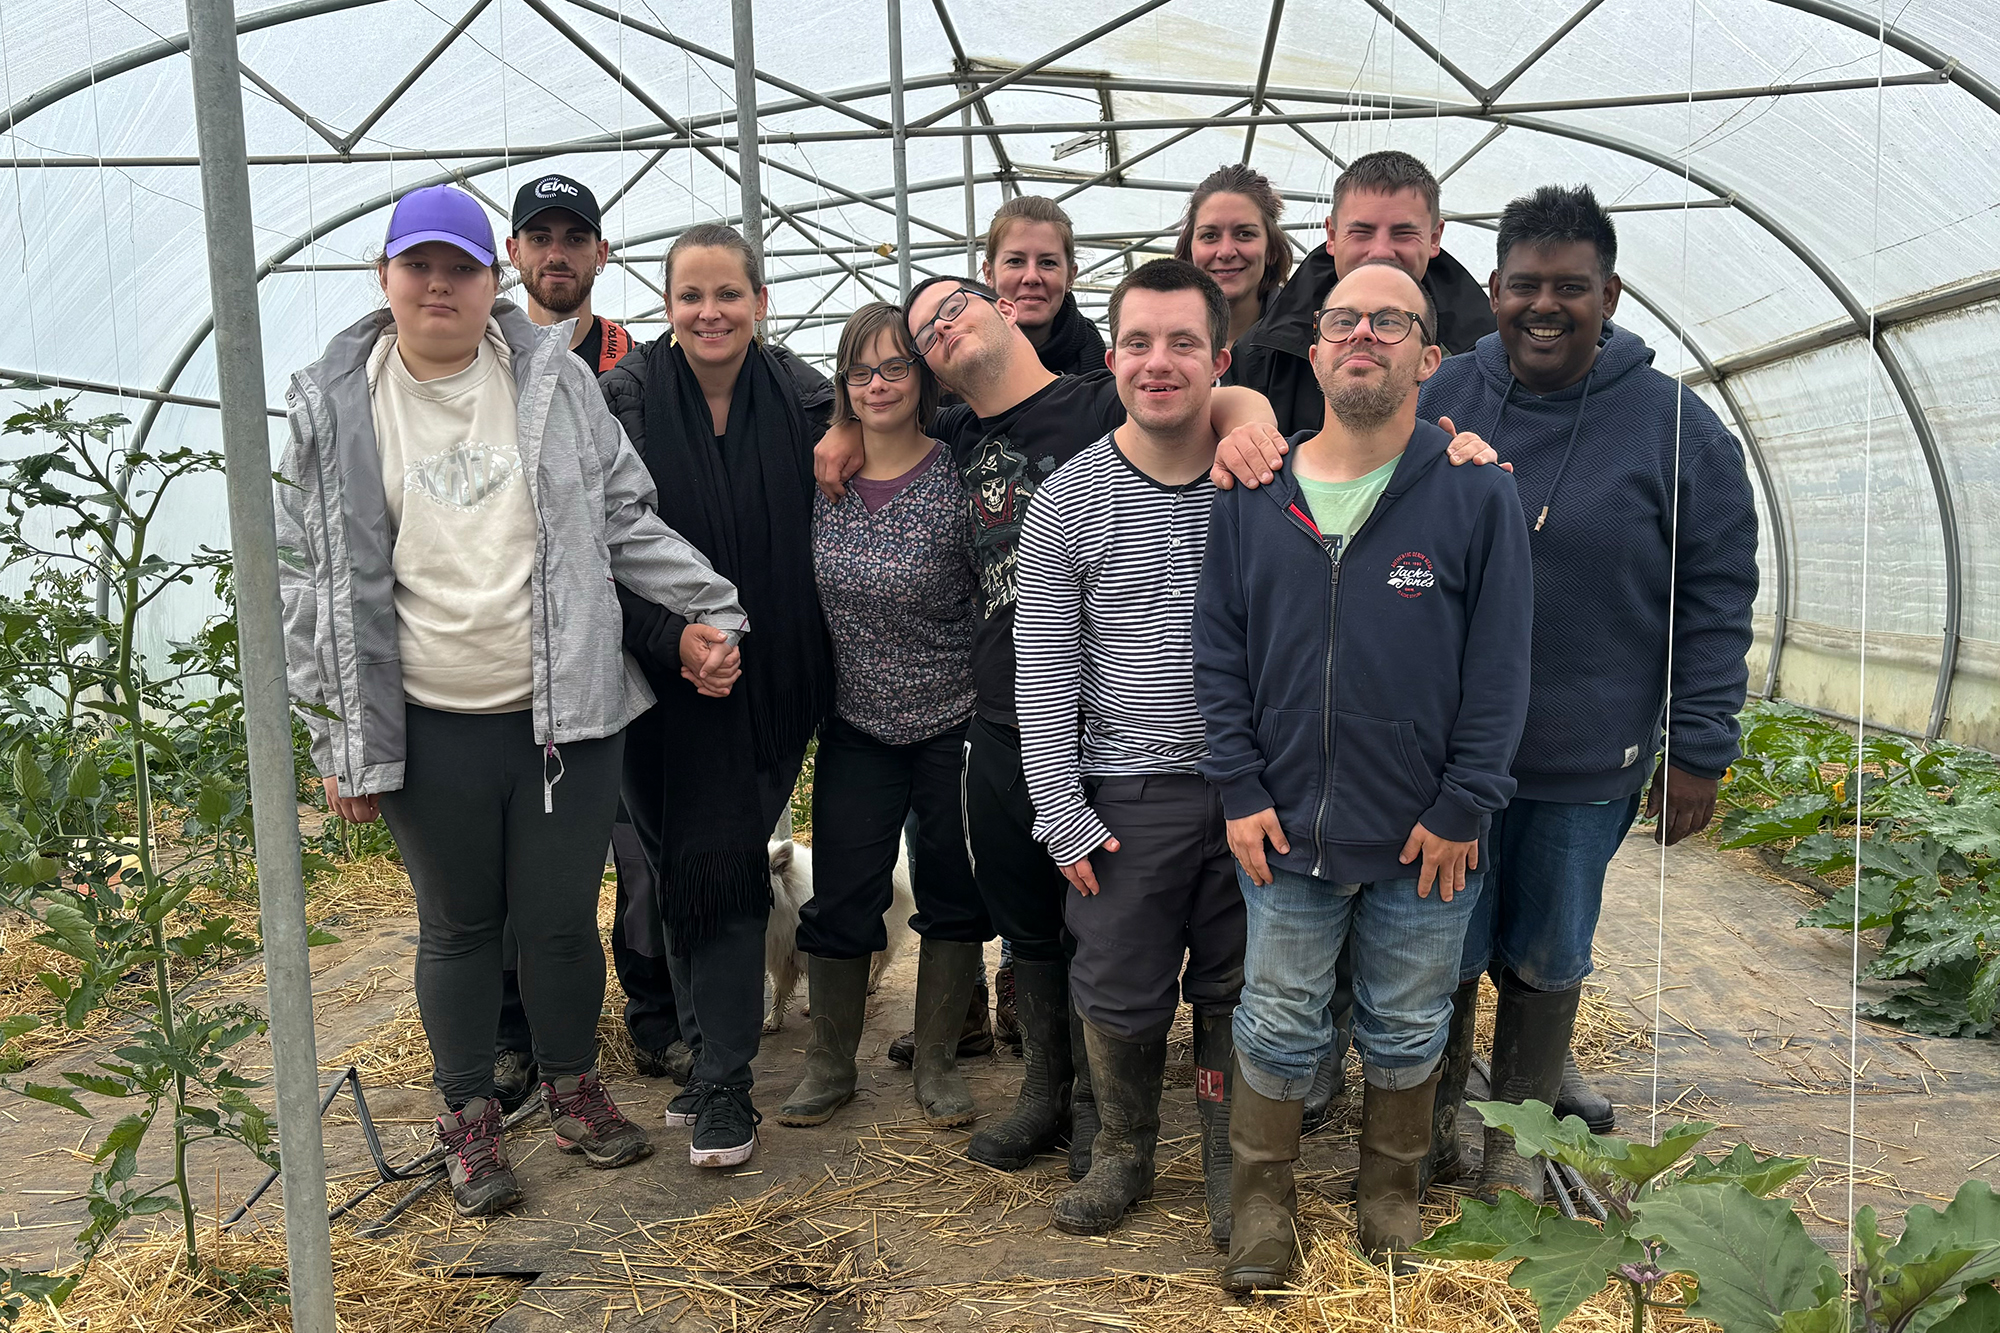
1271 357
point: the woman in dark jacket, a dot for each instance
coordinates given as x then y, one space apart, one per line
1230 232
1031 260
717 419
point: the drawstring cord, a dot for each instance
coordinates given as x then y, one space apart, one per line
549 783
1576 429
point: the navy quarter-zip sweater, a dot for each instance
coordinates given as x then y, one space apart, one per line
1362 697
1613 586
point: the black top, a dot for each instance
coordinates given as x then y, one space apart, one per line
592 346
1001 460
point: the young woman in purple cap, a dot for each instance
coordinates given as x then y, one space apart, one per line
460 502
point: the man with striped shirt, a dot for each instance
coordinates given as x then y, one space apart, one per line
1111 738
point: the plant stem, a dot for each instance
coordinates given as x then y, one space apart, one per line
1638 1295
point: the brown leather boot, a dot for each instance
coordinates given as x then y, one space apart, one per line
1395 1138
1263 1196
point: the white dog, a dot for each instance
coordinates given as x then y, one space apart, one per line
791 886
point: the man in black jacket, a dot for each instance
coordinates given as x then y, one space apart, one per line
1385 206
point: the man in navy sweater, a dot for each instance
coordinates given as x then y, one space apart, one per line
1645 549
1361 644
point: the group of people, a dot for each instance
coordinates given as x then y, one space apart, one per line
1215 664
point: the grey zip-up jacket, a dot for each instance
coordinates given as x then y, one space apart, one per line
594 521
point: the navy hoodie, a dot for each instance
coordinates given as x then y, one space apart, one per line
1361 697
1612 584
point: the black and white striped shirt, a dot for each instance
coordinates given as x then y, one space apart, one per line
1103 636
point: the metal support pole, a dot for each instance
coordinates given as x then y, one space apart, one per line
971 201
900 151
743 29
239 364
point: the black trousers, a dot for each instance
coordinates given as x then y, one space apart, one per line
866 792
481 852
1021 885
1168 893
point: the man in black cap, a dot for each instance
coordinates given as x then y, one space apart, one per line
558 247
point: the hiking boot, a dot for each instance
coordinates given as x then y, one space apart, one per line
1446 1161
945 972
1083 1119
1330 1079
725 1127
839 1006
1041 1109
1263 1196
1531 1031
674 1061
481 1181
1395 1140
515 1078
587 1121
1576 1097
975 1039
1126 1076
1006 1023
1214 1043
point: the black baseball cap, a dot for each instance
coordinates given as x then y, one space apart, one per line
546 192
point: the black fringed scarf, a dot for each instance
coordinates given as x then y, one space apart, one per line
744 501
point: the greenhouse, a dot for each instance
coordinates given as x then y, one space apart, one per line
1806 195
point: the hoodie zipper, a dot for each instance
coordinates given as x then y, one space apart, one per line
549 752
1305 521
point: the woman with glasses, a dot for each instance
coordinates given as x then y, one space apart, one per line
717 418
893 561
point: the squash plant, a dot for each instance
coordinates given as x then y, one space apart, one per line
123 820
1929 854
1744 1256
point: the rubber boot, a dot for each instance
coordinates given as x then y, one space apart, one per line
1083 1121
839 1007
1395 1140
1531 1031
976 1038
1576 1097
1214 1043
1126 1076
1330 1079
945 973
1041 1109
1446 1162
1263 1196
1006 1023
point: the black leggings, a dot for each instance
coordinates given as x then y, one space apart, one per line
480 852
1021 885
864 792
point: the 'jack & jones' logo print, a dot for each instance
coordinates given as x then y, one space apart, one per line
1410 573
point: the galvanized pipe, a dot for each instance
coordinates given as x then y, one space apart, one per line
742 27
899 150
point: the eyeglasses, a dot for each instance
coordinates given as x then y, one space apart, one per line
949 309
1337 324
894 369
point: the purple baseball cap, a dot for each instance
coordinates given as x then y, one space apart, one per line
440 213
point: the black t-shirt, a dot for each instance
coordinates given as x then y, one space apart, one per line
592 346
1001 460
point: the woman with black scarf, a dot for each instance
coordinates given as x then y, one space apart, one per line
1031 260
719 424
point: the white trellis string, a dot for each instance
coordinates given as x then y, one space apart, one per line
104 210
20 205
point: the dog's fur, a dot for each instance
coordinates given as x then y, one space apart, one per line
791 886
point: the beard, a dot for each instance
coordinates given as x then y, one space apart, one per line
560 302
1365 404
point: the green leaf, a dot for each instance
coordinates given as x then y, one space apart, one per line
62 1097
31 780
1482 1230
123 1141
1979 1314
1567 1262
1599 1159
1971 1221
18 1024
85 783
1835 1316
101 1084
1762 1176
67 923
316 937
1751 1256
217 804
1794 816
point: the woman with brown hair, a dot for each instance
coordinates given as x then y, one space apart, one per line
893 562
1230 232
1031 261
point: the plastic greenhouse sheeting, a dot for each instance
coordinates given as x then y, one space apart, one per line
1783 169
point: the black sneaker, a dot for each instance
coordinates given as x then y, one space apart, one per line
515 1077
681 1110
725 1127
586 1120
482 1183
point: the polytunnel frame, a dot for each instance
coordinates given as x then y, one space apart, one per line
977 83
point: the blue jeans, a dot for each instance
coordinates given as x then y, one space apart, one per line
1406 952
1544 890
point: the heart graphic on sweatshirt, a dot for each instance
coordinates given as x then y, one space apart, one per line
465 476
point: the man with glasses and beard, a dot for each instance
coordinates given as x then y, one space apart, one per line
1361 641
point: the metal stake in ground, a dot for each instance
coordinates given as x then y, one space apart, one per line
239 362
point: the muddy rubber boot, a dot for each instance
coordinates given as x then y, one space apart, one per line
975 1039
1263 1196
1395 1140
1006 1023
839 1008
1041 1109
945 972
1330 1079
1083 1119
1576 1097
1446 1160
1214 1043
1126 1076
1531 1031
